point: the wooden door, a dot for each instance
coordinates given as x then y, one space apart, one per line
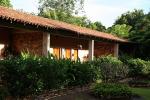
68 53
56 52
75 54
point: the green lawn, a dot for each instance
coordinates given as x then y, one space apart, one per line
144 92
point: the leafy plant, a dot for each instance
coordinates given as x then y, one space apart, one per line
111 90
138 67
3 93
30 74
81 73
111 69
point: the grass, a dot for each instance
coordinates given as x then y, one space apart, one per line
144 92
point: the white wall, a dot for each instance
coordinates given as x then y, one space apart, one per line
83 54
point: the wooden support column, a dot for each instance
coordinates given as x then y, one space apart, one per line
116 50
46 44
91 50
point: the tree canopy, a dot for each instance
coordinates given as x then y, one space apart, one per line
96 26
67 7
120 30
67 11
5 3
130 18
140 31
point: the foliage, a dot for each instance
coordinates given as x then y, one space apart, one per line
138 67
59 9
81 74
30 75
111 69
53 10
96 26
22 75
64 6
130 18
120 30
5 3
124 57
140 31
3 93
111 90
76 20
141 35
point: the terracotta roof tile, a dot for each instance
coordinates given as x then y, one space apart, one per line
10 14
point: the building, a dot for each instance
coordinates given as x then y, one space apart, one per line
25 32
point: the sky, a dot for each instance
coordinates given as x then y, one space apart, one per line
105 11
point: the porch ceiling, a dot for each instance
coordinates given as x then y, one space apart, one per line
15 30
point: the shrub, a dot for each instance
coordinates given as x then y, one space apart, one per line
111 69
22 75
30 74
3 93
111 90
54 72
81 73
138 67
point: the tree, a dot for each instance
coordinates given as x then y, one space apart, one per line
5 3
120 30
62 10
141 35
60 7
130 18
96 26
140 32
65 10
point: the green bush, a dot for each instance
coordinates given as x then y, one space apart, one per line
111 69
30 74
33 74
138 68
3 93
110 90
22 75
81 73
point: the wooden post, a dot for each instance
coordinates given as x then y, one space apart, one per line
91 50
116 50
46 44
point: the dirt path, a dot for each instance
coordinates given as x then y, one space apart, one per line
73 94
84 95
77 96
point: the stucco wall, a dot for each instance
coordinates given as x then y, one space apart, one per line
104 48
32 42
100 48
67 42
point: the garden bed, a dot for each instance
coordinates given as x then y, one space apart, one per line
80 94
83 93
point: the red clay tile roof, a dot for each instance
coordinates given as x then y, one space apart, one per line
10 14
